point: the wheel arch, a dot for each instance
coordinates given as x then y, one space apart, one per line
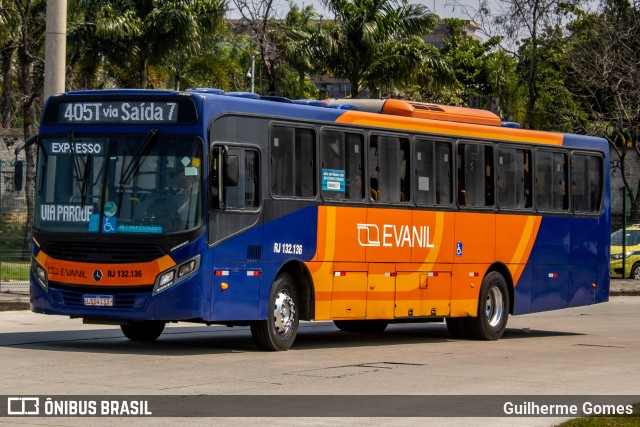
504 271
304 285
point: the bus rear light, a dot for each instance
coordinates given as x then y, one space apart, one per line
393 274
553 275
340 273
473 274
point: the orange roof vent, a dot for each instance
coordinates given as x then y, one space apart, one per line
425 110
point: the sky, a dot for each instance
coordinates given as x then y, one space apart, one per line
444 8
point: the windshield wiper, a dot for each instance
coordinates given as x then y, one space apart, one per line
82 176
138 157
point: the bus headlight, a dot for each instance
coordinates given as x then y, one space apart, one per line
40 274
168 279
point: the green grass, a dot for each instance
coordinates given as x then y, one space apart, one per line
14 265
14 270
603 422
620 421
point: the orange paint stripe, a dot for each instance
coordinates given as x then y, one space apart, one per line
449 128
77 273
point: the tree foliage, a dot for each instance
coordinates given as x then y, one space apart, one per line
372 40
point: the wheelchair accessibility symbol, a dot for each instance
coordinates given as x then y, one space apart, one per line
108 225
458 248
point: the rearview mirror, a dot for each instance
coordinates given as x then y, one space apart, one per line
18 175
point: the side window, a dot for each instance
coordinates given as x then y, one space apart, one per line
388 166
292 161
551 181
342 157
246 194
586 179
514 178
475 175
433 172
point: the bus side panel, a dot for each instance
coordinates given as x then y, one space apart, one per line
474 238
584 262
550 257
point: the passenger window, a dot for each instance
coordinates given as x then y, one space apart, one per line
342 165
388 165
293 161
433 172
475 175
586 181
551 181
514 178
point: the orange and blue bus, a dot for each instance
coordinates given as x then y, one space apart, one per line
236 209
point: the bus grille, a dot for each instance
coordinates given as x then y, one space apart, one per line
103 252
254 252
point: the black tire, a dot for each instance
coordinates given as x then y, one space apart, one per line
279 330
635 272
493 309
458 327
367 326
147 331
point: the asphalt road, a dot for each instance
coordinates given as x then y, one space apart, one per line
580 351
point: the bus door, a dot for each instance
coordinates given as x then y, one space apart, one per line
235 231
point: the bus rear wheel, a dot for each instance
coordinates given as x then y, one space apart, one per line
279 330
367 326
146 331
493 309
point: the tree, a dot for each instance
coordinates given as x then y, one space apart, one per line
141 34
257 19
27 17
525 19
603 57
298 38
372 38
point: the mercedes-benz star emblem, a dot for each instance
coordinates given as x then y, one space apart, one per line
97 275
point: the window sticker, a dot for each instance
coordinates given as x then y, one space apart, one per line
110 209
333 180
139 228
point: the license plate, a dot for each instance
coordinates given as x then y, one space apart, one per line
99 300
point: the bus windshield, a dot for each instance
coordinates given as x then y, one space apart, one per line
148 184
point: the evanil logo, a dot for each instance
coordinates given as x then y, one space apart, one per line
392 235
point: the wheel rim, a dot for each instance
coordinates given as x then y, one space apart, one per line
284 314
494 307
636 273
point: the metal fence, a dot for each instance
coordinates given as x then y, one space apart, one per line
14 254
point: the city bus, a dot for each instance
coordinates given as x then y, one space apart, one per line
155 206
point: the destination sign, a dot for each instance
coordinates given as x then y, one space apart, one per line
129 112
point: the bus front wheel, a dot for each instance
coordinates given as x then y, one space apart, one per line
147 331
493 309
280 328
